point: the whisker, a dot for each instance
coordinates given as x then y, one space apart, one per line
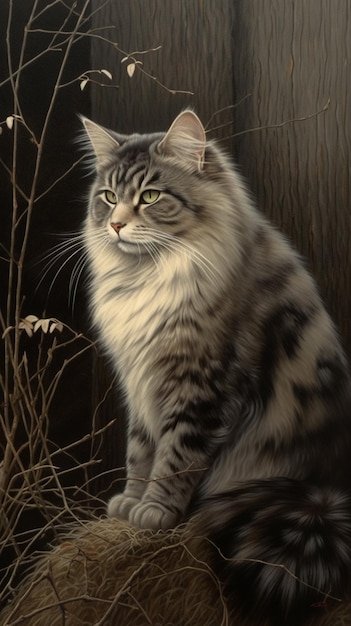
75 279
62 254
173 243
57 249
176 240
71 256
152 251
53 257
194 251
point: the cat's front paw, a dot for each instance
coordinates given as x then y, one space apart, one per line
152 515
120 506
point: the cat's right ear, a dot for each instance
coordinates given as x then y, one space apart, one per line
186 140
104 145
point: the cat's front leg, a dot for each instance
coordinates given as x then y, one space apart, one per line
181 458
139 462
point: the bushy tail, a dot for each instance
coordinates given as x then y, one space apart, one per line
282 546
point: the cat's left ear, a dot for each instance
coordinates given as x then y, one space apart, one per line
104 144
186 139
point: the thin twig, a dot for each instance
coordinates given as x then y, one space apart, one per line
282 124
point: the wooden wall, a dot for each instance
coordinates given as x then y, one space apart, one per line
195 55
294 57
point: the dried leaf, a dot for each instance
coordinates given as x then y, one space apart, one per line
27 326
43 324
130 69
56 325
107 73
31 318
9 122
83 83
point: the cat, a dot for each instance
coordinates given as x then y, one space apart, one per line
236 386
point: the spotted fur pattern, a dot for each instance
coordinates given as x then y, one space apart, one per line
236 386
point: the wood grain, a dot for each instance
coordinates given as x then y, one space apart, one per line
195 55
294 57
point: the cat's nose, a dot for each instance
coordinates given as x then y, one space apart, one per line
117 226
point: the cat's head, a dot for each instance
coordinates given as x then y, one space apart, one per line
162 194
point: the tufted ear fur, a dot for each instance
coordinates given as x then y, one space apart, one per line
186 140
104 145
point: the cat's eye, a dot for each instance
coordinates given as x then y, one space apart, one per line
149 196
110 196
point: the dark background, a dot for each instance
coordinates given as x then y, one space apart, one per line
253 68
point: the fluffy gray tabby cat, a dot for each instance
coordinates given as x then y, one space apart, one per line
237 389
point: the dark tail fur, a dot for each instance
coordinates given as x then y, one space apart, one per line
283 546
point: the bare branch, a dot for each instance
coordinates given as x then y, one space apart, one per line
285 123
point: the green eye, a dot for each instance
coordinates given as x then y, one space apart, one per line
110 196
149 196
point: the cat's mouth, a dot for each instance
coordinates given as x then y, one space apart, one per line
125 245
131 247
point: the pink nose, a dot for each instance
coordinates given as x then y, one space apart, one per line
117 226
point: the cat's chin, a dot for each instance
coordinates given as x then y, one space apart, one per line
131 248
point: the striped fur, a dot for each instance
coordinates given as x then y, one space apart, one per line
237 389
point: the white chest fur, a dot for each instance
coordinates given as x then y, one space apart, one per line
139 313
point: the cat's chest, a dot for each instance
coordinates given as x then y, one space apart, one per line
143 327
129 318
137 312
